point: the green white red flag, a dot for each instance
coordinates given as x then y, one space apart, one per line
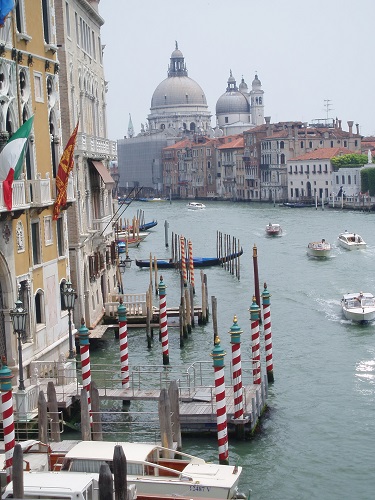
11 159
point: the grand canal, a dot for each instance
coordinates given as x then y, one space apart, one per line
317 437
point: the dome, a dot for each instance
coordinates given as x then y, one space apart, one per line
256 82
232 102
176 53
178 91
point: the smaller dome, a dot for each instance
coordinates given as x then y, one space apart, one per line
232 102
256 82
176 53
243 86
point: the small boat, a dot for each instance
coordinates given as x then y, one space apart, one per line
155 470
351 241
197 261
298 205
359 307
273 229
132 243
152 199
195 205
125 235
319 249
123 200
143 227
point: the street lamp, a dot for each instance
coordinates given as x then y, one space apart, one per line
69 295
127 262
18 315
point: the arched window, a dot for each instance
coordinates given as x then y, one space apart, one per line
39 307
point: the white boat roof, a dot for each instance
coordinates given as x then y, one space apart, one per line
55 482
103 450
348 296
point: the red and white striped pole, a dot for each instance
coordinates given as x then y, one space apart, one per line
123 337
191 265
267 332
183 260
84 349
163 321
8 417
255 340
221 409
235 339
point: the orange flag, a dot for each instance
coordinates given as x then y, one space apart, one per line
65 167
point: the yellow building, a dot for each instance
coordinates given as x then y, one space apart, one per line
34 258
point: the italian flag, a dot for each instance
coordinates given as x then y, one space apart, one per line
11 159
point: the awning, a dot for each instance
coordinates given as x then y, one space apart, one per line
103 172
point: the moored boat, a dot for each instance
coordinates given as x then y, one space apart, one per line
273 229
319 248
159 471
195 205
197 261
351 241
359 307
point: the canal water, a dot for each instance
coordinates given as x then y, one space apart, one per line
317 437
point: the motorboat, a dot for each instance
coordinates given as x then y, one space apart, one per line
351 241
273 229
155 470
195 205
359 307
319 248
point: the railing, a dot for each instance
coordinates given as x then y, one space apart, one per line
103 226
18 196
136 304
96 145
40 191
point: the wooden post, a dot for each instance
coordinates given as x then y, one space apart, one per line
42 418
173 394
164 408
17 472
214 316
166 225
151 270
97 434
156 276
207 311
187 305
120 470
203 299
181 325
105 482
192 320
85 416
148 327
184 329
53 410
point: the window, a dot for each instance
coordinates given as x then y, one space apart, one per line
38 87
226 119
301 144
307 169
35 241
310 144
337 179
77 28
281 144
46 21
39 307
48 239
208 152
67 16
60 237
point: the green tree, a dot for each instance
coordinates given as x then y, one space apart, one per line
348 161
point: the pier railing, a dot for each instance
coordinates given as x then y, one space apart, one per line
135 303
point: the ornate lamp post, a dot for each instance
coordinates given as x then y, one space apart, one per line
69 295
125 263
18 315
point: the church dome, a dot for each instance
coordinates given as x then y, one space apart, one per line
232 102
178 91
256 82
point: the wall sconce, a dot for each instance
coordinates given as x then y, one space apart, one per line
56 69
2 49
46 65
29 60
19 56
14 54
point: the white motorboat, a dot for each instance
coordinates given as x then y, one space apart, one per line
351 241
195 205
319 248
160 471
358 307
273 229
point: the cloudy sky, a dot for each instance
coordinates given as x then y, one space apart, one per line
306 54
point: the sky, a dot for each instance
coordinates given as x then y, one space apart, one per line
314 59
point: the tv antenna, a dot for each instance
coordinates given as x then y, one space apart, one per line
327 106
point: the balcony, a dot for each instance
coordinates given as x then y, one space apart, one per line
96 146
18 197
103 226
39 191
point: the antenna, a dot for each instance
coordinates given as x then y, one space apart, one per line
327 106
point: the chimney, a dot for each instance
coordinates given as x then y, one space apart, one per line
340 124
357 127
350 125
267 119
